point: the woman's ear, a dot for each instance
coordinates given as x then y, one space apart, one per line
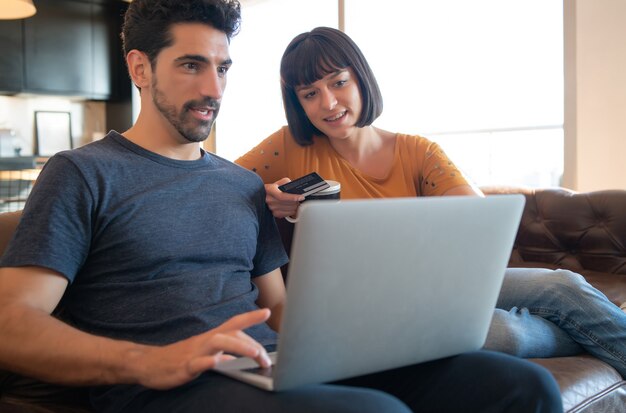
139 68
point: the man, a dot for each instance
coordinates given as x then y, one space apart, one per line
164 260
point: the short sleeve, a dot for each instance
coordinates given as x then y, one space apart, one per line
267 159
438 173
55 228
270 252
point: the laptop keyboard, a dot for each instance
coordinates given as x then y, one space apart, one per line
262 371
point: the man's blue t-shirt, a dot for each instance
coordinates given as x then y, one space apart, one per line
155 249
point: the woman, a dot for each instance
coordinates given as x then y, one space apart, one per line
331 99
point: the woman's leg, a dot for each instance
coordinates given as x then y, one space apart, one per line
534 301
522 334
482 381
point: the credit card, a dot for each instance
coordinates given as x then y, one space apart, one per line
305 185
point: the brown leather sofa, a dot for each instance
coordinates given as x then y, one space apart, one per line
583 232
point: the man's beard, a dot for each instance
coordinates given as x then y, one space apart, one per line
188 127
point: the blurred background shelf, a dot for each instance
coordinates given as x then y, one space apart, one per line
17 176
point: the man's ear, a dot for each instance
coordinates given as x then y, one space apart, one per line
139 68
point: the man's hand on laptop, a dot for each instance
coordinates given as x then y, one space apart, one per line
175 364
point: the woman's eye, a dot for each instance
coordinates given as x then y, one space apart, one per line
341 83
309 95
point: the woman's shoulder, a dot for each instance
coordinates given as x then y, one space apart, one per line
281 138
414 142
407 137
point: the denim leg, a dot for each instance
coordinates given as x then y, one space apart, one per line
522 334
533 301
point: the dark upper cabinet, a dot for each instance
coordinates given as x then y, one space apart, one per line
11 57
69 47
58 55
110 77
102 63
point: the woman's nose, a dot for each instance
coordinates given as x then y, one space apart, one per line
329 101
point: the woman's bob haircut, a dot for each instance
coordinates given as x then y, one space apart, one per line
308 58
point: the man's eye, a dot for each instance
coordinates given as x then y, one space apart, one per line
222 70
191 66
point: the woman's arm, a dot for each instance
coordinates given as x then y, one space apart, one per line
468 189
282 204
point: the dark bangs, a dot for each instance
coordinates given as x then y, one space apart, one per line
310 57
311 61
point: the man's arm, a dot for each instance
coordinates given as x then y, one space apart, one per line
271 295
38 345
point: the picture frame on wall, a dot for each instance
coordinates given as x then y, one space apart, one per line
53 132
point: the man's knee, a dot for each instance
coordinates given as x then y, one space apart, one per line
540 392
522 386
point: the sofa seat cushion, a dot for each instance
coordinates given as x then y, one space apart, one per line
587 384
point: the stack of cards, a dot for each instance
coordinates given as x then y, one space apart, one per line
305 185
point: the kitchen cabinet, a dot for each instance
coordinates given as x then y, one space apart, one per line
57 53
11 58
70 48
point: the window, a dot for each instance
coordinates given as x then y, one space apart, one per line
252 107
484 78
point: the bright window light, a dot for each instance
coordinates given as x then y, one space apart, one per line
484 78
252 107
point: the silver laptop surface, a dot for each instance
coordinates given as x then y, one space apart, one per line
379 284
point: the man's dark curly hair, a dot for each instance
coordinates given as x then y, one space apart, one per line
147 23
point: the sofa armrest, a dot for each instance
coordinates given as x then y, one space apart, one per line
584 232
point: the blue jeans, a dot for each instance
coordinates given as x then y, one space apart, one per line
545 313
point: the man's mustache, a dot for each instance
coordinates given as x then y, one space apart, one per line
209 103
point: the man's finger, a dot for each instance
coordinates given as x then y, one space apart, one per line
245 320
219 344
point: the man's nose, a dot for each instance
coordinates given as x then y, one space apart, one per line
213 85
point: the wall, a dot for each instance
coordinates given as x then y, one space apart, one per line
595 94
18 113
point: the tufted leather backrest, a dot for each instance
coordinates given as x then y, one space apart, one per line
573 230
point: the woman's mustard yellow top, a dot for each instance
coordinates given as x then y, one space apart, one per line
416 160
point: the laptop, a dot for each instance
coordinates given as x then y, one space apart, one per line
379 284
